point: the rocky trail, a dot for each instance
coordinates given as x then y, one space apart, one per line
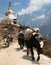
14 56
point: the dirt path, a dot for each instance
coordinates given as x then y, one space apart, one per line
14 56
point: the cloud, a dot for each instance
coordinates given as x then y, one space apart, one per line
41 17
17 3
34 5
33 19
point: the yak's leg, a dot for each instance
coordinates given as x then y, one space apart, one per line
32 54
21 46
8 44
27 51
20 43
38 55
5 39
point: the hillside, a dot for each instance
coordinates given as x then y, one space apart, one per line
47 48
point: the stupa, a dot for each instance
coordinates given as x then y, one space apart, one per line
10 13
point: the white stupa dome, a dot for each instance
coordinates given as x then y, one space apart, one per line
10 13
11 16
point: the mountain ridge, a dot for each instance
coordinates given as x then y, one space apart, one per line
40 18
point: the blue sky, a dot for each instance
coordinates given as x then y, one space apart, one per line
23 6
17 5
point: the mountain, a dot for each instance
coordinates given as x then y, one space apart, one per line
46 27
40 18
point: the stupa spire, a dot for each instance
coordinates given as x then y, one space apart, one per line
9 6
9 11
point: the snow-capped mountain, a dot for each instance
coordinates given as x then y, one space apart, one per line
40 18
